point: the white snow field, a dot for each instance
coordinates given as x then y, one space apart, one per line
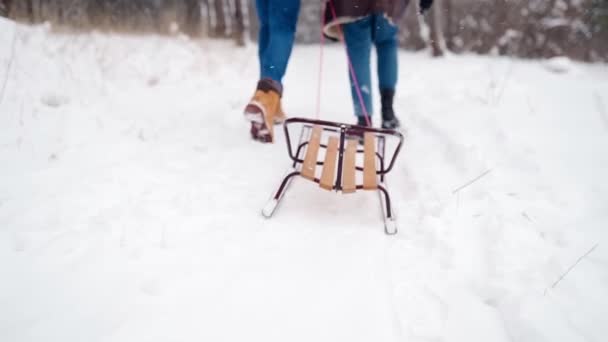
130 198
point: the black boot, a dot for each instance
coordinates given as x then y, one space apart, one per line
389 120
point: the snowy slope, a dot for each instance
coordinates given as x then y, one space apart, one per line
130 199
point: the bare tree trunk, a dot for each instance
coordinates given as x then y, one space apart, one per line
254 24
60 13
208 27
192 26
449 29
5 8
30 10
220 18
96 12
500 26
34 13
239 25
437 37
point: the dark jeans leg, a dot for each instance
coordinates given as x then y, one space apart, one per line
386 41
358 39
282 19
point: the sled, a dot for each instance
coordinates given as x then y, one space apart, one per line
343 158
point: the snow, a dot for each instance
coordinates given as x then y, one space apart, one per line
131 198
559 64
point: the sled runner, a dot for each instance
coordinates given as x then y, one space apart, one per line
330 155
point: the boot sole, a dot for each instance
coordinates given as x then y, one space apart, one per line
256 114
252 113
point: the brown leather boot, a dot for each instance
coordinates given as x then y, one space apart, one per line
280 117
264 110
261 111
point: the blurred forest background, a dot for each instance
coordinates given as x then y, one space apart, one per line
524 28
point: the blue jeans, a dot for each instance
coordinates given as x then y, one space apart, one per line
278 19
359 36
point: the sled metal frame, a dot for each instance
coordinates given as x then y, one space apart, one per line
344 131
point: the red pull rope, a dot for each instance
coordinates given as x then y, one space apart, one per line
350 65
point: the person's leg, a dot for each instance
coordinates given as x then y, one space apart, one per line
386 41
278 20
358 39
264 32
283 17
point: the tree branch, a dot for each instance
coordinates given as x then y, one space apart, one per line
572 267
471 181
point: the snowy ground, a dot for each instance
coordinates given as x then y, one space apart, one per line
130 199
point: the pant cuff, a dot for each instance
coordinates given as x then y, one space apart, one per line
268 84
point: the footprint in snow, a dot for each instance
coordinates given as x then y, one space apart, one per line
19 244
150 287
54 100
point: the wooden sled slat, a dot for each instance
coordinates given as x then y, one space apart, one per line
310 161
348 167
329 165
370 181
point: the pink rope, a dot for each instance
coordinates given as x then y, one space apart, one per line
322 38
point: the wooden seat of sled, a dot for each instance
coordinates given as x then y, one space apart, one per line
327 154
338 167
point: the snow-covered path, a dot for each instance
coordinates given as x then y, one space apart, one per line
130 199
